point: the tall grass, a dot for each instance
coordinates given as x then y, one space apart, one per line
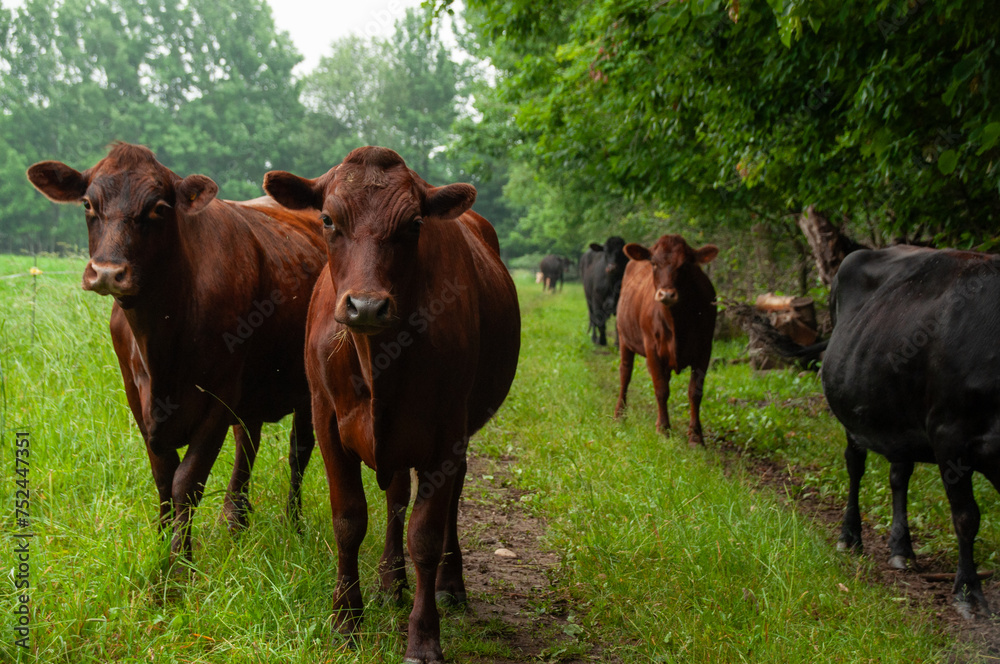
664 556
672 560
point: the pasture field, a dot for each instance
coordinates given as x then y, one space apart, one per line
666 554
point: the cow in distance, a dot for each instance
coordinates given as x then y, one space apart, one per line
602 267
412 345
208 320
667 315
552 268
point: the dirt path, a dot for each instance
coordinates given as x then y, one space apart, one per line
514 599
933 595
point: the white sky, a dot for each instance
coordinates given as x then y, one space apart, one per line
314 25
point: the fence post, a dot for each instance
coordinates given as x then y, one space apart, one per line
34 294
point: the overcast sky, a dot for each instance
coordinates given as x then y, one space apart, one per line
314 25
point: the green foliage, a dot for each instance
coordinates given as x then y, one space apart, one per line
206 85
733 112
400 93
209 87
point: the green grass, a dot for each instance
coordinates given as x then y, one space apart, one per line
666 558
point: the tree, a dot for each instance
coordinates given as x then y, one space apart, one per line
745 111
207 85
402 93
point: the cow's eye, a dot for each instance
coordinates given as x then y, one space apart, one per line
159 210
327 220
414 226
87 206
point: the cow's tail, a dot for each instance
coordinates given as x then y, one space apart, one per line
766 337
807 357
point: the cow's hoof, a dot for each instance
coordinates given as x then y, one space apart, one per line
900 563
849 545
451 601
414 660
972 604
237 514
965 609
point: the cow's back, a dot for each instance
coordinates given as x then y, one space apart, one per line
257 266
914 349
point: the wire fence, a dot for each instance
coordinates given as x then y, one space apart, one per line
34 272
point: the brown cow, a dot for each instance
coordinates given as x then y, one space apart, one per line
208 322
411 346
667 314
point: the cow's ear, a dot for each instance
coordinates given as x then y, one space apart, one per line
637 252
706 254
195 192
596 247
293 192
448 202
57 181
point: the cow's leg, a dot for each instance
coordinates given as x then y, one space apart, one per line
696 388
349 511
300 447
164 466
392 566
850 533
602 336
968 590
592 322
900 544
450 586
190 478
425 539
661 388
624 378
237 506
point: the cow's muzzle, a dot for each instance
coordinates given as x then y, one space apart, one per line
667 296
108 278
365 312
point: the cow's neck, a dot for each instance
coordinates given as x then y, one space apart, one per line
164 320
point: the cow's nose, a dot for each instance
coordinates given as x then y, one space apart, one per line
368 311
106 278
667 296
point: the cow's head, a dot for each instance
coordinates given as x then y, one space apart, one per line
131 202
372 207
670 257
614 258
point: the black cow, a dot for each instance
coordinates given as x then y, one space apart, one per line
601 269
912 371
551 269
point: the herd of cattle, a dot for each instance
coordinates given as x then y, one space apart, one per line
394 293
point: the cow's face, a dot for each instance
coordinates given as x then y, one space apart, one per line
615 259
669 258
373 208
131 203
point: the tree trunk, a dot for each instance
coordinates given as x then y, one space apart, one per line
829 246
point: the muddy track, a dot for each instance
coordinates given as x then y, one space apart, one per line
516 600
